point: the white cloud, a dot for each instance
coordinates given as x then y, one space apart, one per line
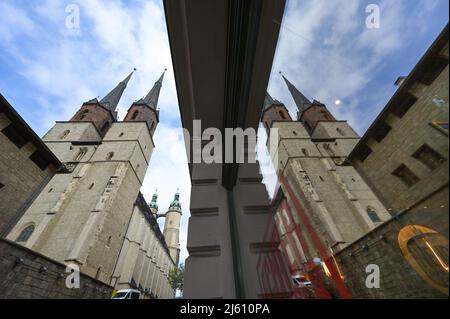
14 22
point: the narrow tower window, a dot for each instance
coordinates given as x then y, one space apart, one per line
64 134
341 132
108 242
1 185
429 157
371 212
25 234
282 115
80 154
305 152
109 156
135 115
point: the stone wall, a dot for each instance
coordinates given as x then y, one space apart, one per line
22 275
21 179
407 135
398 277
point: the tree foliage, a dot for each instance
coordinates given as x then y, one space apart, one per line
176 277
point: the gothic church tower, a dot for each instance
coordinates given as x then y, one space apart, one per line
81 216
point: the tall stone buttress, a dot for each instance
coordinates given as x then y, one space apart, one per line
82 215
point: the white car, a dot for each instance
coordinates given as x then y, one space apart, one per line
301 281
127 294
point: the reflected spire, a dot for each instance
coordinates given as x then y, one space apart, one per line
300 100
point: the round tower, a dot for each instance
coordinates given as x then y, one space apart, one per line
172 228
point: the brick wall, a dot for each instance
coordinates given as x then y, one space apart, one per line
24 280
398 279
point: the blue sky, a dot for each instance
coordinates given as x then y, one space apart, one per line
47 70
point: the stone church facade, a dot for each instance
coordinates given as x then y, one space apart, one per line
91 211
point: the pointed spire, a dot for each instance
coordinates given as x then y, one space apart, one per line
268 101
300 100
111 100
152 97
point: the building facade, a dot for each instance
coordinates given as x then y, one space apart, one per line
412 131
84 213
26 165
145 259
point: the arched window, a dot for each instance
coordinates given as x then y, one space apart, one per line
109 156
341 132
135 115
79 155
64 134
283 116
371 212
25 234
427 252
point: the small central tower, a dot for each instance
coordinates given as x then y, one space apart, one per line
172 228
153 204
